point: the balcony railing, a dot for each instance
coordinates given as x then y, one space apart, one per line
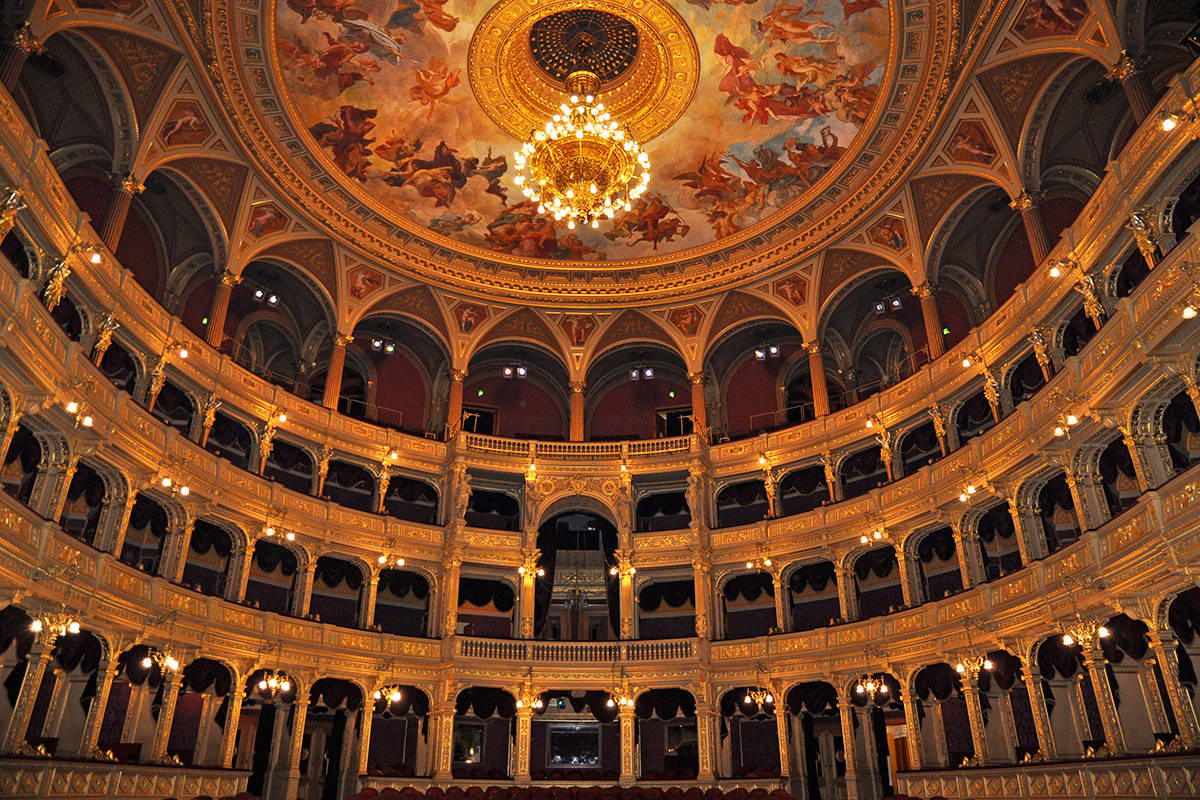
575 652
577 450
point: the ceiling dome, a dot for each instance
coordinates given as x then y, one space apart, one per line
765 125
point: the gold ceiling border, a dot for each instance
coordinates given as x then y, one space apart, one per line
920 78
519 96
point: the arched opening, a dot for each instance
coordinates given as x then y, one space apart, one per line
639 391
129 717
877 583
1070 698
667 609
974 417
67 317
1181 426
1060 522
231 440
120 367
402 603
749 605
938 564
813 596
662 511
272 578
944 726
1119 478
86 496
268 694
803 490
814 710
742 503
862 471
667 736
201 714
336 593
411 499
350 485
145 534
998 540
749 365
516 390
483 724
331 728
577 599
485 608
753 738
399 733
174 407
290 466
919 447
207 567
1026 379
495 511
1078 331
575 736
406 360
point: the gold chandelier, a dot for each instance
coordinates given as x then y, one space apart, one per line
583 166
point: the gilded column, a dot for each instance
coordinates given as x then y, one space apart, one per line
914 742
910 585
166 715
214 333
175 551
443 741
364 737
117 212
782 729
451 565
31 683
702 587
1145 234
104 333
304 587
233 713
1041 714
970 558
781 619
529 576
1087 492
850 751
1027 203
699 403
524 732
240 563
933 324
291 766
1114 734
1128 71
454 406
975 718
1031 539
15 54
706 726
628 750
106 672
366 601
333 376
816 375
847 597
625 573
1166 653
576 411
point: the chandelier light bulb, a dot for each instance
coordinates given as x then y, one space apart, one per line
379 696
171 663
72 407
395 696
1072 419
966 362
1055 271
183 353
87 421
1102 632
262 686
36 626
1068 639
166 483
73 627
291 537
1059 431
1189 311
285 686
95 257
988 665
147 662
1170 123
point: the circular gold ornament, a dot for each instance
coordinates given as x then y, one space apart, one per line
648 95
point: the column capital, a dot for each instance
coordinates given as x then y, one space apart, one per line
923 290
696 377
343 339
457 375
577 387
1026 200
128 183
230 278
813 346
1126 66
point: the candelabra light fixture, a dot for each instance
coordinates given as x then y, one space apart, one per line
758 696
274 682
761 562
173 486
392 692
59 622
163 659
872 686
878 534
1086 633
80 413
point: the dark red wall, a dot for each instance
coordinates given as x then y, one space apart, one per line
752 390
1016 260
197 304
626 410
953 314
91 194
522 408
400 390
136 252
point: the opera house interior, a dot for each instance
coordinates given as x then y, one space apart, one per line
596 400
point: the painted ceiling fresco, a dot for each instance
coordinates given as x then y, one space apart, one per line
784 88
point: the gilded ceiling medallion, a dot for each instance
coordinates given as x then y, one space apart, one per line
647 86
